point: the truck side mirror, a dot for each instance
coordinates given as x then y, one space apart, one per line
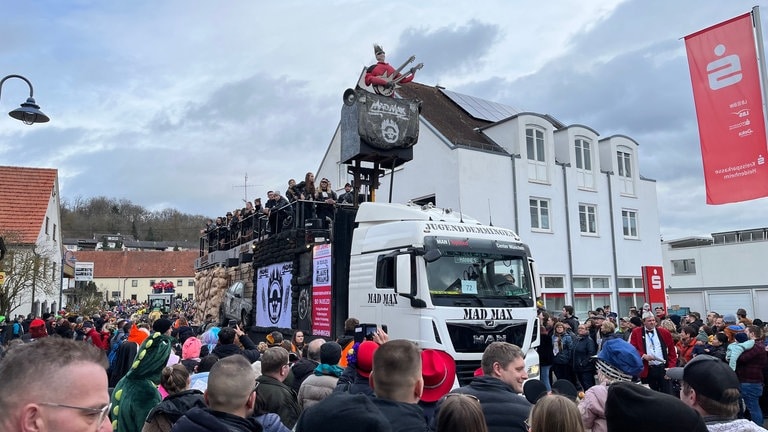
432 255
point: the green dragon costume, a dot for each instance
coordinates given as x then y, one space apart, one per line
136 393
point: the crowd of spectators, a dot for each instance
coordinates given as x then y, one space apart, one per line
163 373
300 202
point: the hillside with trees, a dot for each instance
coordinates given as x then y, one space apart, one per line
87 217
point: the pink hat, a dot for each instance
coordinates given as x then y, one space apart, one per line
191 348
439 371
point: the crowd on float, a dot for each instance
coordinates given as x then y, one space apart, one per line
129 369
301 201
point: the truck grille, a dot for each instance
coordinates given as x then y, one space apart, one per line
473 338
465 370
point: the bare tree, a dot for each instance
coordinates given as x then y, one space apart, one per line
28 272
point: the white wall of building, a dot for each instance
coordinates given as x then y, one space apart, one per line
726 276
494 186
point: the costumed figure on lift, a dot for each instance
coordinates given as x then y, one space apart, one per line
376 127
383 78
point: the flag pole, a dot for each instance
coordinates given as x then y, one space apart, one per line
761 55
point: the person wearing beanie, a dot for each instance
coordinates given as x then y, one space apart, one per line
190 353
657 349
162 326
322 382
37 329
741 343
731 326
618 361
630 407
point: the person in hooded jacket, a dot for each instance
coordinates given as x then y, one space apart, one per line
583 350
231 399
126 352
180 399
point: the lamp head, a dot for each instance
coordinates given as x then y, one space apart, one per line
29 113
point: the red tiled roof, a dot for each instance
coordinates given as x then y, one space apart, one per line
24 197
144 264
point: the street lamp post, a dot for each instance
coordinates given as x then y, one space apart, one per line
29 112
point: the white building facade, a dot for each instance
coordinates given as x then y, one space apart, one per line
721 273
577 199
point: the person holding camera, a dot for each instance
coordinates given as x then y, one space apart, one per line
227 346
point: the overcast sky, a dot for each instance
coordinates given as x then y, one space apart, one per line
171 103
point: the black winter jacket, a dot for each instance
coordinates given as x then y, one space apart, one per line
250 351
205 420
276 397
583 350
174 406
403 417
504 410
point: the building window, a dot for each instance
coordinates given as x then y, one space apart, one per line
133 297
588 218
627 300
597 282
554 302
537 156
179 282
134 283
540 214
190 282
190 296
684 266
630 283
583 303
151 282
54 232
624 161
584 173
553 282
47 222
54 274
629 221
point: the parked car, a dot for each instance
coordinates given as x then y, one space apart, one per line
237 305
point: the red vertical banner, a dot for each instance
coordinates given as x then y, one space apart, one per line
653 285
321 290
726 90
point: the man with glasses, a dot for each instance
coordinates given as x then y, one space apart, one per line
43 374
231 399
657 349
274 395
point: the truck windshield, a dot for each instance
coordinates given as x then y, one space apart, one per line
474 278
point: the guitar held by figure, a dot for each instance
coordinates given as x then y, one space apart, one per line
384 78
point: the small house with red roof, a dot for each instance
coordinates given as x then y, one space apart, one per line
131 275
30 225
